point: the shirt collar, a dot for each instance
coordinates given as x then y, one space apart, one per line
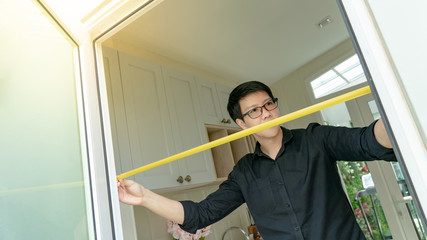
287 136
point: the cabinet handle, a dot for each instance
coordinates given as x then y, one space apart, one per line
180 179
188 178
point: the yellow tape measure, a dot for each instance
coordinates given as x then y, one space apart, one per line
286 118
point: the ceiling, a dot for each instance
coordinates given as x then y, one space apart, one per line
239 40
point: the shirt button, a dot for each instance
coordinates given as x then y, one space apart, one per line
296 229
287 205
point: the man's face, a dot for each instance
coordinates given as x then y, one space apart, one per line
251 101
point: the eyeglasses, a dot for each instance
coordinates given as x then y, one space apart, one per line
256 112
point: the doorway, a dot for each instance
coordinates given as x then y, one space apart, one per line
377 190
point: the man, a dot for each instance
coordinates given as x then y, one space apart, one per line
290 183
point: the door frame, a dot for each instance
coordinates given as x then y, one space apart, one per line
114 15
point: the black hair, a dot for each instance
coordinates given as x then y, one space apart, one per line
241 91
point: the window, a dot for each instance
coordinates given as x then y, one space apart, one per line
342 76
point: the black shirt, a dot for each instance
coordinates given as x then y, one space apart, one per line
299 194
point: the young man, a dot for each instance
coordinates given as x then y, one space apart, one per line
290 183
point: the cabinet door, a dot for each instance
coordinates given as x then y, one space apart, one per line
187 126
223 94
209 102
148 121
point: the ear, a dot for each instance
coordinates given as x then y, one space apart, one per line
241 123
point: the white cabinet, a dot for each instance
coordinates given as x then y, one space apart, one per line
223 94
187 126
155 114
147 120
214 99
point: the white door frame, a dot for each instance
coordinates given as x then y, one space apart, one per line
114 15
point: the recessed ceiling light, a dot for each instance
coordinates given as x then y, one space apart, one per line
327 20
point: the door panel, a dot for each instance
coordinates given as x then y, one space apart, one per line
43 193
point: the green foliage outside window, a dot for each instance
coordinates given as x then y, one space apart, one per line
352 176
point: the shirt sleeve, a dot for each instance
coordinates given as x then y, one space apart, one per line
351 144
215 207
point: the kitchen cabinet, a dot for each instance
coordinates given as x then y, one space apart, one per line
187 126
155 114
227 155
223 94
147 121
214 99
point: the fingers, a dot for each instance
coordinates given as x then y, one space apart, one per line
124 182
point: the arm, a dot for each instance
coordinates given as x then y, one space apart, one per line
214 207
381 134
133 193
352 144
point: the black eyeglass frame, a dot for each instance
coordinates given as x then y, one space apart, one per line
275 101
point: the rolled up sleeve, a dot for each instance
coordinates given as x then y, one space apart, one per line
351 144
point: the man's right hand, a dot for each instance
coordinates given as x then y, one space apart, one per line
133 193
130 192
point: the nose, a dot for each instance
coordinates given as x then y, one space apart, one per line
265 113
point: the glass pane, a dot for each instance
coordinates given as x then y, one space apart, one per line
367 209
329 87
42 192
350 74
349 63
326 77
402 183
374 110
354 73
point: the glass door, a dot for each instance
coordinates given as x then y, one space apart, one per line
403 200
376 189
44 189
